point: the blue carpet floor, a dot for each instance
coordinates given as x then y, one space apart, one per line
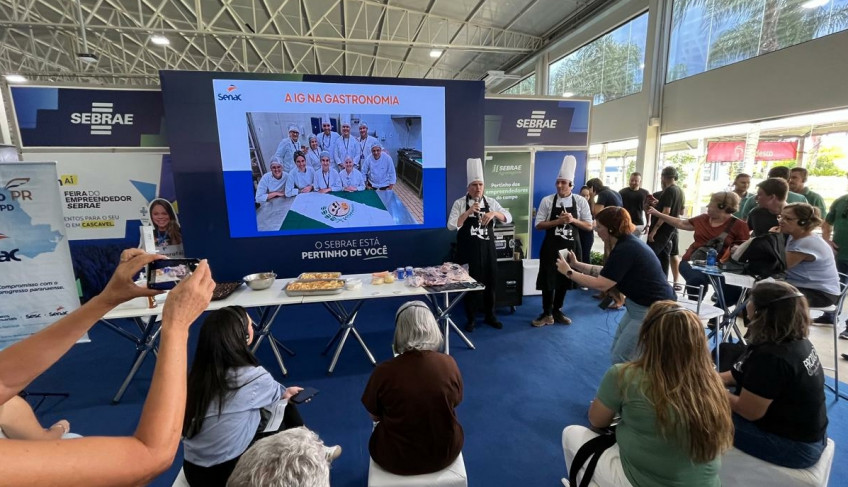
522 386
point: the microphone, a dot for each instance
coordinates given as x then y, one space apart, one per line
478 212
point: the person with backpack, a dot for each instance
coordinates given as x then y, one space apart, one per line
716 229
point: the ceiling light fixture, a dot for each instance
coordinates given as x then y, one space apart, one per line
435 52
568 94
159 40
15 78
87 57
815 3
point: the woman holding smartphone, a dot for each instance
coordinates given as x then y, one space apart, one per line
227 393
632 267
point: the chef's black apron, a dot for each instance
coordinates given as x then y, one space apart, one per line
475 246
557 238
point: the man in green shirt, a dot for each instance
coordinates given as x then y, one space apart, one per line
797 183
835 232
781 172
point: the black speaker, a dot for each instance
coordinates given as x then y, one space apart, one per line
509 290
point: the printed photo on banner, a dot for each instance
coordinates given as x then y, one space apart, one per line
166 229
313 171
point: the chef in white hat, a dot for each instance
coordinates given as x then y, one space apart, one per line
365 142
272 184
327 138
560 216
473 217
288 146
346 146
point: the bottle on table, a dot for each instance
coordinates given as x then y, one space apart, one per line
712 260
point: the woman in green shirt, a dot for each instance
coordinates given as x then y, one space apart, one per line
675 417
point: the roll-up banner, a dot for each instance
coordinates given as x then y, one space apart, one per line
507 176
36 277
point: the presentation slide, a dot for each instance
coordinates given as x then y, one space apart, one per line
306 157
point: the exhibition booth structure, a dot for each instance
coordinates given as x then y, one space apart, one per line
193 187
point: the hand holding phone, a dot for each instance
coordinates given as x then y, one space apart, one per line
304 396
165 274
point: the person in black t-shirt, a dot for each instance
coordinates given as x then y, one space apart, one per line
670 202
632 268
602 195
778 406
633 200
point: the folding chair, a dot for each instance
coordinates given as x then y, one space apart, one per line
705 311
835 311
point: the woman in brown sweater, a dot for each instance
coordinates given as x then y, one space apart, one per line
413 397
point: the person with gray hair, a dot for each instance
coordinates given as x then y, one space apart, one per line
292 458
413 398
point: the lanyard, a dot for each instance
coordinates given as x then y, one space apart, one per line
326 179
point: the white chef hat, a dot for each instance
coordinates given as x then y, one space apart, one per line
346 120
474 169
293 128
567 169
325 119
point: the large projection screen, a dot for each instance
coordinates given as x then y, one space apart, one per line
225 129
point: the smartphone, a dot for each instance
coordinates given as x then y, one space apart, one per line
165 274
606 302
305 395
564 254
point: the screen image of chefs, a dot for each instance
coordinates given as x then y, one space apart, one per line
300 163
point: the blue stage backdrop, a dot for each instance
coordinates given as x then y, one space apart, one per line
194 104
545 170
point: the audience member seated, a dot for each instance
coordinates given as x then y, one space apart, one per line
675 420
778 405
132 460
227 391
18 422
708 228
632 267
292 458
413 398
810 263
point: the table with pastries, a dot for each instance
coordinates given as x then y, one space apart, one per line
343 304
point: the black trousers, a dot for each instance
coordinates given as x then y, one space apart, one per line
663 251
217 475
473 302
553 300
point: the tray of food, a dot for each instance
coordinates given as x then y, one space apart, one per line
315 287
318 276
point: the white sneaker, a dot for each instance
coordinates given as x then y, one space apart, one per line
332 452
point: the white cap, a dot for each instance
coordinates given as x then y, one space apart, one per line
325 119
474 169
569 166
363 122
346 120
293 128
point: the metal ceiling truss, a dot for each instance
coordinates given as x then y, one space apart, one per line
40 39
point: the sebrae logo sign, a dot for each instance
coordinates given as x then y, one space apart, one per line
229 95
102 118
536 123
